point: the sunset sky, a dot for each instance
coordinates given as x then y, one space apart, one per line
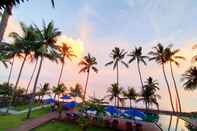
100 25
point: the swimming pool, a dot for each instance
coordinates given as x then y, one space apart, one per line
173 123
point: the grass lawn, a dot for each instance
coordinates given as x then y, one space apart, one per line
63 126
12 121
25 106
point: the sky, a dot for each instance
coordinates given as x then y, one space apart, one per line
100 25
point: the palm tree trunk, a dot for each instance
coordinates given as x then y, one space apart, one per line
170 123
130 103
140 74
17 82
175 86
168 86
61 73
88 73
34 88
32 75
11 68
115 102
117 71
4 22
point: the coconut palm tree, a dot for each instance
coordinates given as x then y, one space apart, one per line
114 93
130 94
13 51
87 64
45 48
117 56
24 45
45 90
66 52
7 6
149 95
76 91
190 79
59 90
158 54
4 59
137 55
172 58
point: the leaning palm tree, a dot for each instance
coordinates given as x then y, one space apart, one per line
117 56
172 58
24 45
7 6
4 59
190 79
137 55
87 64
130 94
76 91
46 48
66 52
158 54
149 95
114 93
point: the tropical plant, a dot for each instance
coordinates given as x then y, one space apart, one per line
172 58
7 5
6 89
87 64
190 79
24 45
149 95
66 52
4 59
59 90
45 48
114 93
76 91
130 94
44 90
158 54
137 55
117 56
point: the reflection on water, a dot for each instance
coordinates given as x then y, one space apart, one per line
172 123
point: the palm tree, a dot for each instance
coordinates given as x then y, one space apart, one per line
172 57
130 94
24 45
159 56
136 54
46 48
190 79
149 95
3 59
45 90
58 90
87 64
115 92
7 5
76 91
66 52
117 56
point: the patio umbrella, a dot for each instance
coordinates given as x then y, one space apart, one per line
133 113
65 97
112 110
71 104
50 101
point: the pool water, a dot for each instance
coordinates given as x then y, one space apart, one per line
173 123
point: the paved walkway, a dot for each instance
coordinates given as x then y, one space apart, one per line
15 112
36 122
